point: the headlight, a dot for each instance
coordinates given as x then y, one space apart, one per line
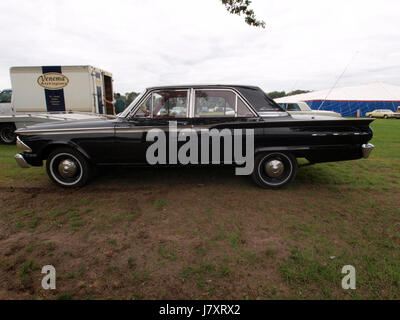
22 145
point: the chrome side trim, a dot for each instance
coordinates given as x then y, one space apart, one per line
67 131
23 146
366 149
266 114
21 161
319 134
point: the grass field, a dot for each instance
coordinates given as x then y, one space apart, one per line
205 233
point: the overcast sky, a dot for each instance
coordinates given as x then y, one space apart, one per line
305 45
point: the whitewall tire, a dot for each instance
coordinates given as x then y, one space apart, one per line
68 168
274 169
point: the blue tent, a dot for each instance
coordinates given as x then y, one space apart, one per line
348 100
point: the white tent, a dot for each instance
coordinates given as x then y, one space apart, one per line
347 100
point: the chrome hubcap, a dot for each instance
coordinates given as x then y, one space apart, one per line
67 168
274 168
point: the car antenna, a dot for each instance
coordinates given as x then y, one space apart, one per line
337 80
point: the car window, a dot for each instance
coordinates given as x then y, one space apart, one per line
293 107
170 104
242 109
219 103
144 110
5 96
214 103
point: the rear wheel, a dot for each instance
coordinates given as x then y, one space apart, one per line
274 170
385 116
7 134
68 168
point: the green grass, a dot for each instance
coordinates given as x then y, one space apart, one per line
10 171
27 269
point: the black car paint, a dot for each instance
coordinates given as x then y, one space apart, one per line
112 142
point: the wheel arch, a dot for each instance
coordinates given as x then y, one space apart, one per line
62 144
2 124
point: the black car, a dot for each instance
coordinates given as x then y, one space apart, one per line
244 118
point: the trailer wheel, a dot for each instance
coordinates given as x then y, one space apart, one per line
7 134
274 170
68 168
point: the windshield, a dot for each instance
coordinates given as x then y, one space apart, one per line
133 103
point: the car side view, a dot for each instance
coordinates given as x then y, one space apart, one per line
73 149
383 113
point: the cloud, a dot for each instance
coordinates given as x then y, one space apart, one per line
306 44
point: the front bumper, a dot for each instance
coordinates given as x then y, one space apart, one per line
366 149
21 161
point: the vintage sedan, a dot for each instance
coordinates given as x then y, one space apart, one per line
244 116
383 113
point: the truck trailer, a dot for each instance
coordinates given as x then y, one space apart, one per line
55 93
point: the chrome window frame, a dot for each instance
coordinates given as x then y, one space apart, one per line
190 113
135 109
237 95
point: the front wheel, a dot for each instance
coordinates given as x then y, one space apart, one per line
68 168
385 116
274 170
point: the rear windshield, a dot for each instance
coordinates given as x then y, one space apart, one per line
259 99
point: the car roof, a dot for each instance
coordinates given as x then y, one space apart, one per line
202 86
256 97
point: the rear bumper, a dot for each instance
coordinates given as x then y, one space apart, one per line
21 161
366 149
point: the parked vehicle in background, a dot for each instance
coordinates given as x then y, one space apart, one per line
5 101
71 150
383 113
302 108
53 93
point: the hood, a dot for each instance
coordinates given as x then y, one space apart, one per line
68 124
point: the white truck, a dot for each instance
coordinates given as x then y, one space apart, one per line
54 93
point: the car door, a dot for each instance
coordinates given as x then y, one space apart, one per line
160 109
219 109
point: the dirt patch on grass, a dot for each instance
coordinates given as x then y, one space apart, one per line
184 233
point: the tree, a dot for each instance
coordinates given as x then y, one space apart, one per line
292 93
240 7
276 94
129 97
280 94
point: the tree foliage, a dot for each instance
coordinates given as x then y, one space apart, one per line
129 97
276 94
292 93
280 94
240 7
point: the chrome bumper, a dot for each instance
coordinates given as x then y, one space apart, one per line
366 149
21 161
22 145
